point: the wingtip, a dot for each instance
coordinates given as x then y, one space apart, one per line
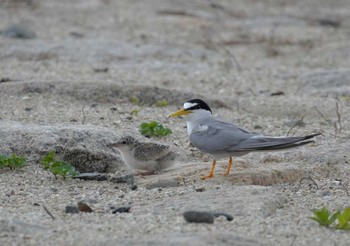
312 135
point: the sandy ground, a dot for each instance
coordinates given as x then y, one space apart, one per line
261 64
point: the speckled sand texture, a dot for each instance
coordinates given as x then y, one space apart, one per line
277 67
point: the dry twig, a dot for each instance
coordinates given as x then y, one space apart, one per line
307 178
48 212
84 117
337 123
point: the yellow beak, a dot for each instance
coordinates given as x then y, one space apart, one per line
180 112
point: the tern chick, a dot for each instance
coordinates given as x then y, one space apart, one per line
146 156
222 139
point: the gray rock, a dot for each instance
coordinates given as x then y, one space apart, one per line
82 146
199 217
72 209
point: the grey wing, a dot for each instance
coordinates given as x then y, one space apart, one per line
219 137
151 151
222 137
273 143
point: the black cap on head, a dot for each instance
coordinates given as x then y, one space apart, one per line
199 104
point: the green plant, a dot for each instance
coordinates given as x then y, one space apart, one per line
327 219
154 128
343 220
323 217
162 103
135 111
13 161
134 100
60 168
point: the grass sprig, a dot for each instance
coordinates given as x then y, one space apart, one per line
154 128
13 161
57 168
337 220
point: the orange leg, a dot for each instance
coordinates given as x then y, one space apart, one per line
211 174
228 168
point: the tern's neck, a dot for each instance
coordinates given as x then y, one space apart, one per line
195 119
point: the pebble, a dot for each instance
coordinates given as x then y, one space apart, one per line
91 176
121 210
129 179
83 207
72 209
204 217
199 217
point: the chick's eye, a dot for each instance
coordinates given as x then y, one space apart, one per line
124 142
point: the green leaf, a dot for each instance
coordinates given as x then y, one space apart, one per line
162 103
343 220
322 216
57 168
154 128
135 111
134 100
14 161
47 160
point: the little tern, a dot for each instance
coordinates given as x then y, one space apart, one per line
222 139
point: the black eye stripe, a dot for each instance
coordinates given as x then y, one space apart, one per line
200 104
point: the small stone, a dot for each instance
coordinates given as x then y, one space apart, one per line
134 187
201 189
72 209
101 70
258 127
83 207
91 176
277 93
3 80
329 23
204 217
326 193
199 217
121 210
129 179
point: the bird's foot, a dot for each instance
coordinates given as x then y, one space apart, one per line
225 173
207 177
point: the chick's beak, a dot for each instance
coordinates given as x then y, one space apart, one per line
180 112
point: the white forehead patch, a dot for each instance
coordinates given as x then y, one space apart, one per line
188 105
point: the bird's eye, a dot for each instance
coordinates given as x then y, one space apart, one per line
124 142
